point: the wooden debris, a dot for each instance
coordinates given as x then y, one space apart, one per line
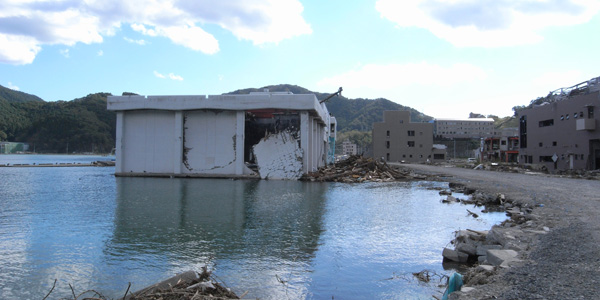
357 168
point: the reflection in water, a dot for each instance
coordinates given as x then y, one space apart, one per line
252 228
275 239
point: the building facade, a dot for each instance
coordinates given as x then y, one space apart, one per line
473 128
563 132
271 135
397 139
349 148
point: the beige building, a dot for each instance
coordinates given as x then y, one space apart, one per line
398 139
563 132
464 128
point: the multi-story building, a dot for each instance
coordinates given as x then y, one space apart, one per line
503 148
562 133
349 148
464 128
398 139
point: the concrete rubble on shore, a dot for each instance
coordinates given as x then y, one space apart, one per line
499 247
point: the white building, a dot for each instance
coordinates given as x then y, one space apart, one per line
349 148
271 135
464 128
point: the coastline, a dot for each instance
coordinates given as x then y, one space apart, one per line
555 235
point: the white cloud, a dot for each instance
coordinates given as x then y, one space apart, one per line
175 77
488 23
170 76
12 86
25 26
394 76
64 52
139 42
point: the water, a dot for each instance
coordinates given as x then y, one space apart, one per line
274 239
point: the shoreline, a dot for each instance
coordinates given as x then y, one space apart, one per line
554 237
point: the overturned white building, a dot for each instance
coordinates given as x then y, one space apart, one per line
266 134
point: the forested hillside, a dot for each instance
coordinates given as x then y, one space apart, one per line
351 114
81 125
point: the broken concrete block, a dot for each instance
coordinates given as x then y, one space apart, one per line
485 268
455 256
467 248
497 257
482 249
466 289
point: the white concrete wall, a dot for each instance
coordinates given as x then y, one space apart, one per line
209 142
148 142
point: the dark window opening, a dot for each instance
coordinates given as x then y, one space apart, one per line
523 131
388 133
387 156
541 144
387 144
546 159
438 156
554 143
590 112
411 143
411 133
546 123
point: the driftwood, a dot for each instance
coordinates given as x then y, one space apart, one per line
357 168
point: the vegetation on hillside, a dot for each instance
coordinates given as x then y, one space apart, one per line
82 125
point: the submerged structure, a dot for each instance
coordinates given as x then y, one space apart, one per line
273 135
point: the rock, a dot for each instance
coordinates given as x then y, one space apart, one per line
467 248
485 268
454 255
445 193
466 289
482 249
497 257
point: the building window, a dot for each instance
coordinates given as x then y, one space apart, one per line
421 156
546 123
387 156
403 155
420 145
581 114
420 132
411 133
567 116
554 143
411 143
388 133
590 112
546 159
523 131
502 142
410 156
401 121
562 117
575 115
387 144
541 144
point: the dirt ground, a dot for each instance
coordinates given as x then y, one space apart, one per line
563 263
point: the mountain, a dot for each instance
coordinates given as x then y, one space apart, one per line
351 114
15 96
81 125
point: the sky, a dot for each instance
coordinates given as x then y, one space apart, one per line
445 58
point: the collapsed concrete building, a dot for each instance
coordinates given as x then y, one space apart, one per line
267 134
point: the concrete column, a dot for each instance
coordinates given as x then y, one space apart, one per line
239 142
119 142
178 151
304 139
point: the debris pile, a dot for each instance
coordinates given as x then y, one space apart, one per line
188 285
357 168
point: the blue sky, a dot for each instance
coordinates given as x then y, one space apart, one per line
445 58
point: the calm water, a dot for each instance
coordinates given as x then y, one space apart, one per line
275 239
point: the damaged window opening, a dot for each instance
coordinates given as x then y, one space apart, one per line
261 123
549 122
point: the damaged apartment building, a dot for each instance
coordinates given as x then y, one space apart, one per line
561 132
273 135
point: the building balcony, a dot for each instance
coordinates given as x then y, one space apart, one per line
586 124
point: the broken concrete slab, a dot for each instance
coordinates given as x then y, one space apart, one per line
497 257
279 156
455 255
482 249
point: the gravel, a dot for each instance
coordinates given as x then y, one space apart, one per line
564 263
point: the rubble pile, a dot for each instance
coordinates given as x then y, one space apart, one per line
360 169
188 285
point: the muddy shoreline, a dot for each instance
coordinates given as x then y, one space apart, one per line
554 234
